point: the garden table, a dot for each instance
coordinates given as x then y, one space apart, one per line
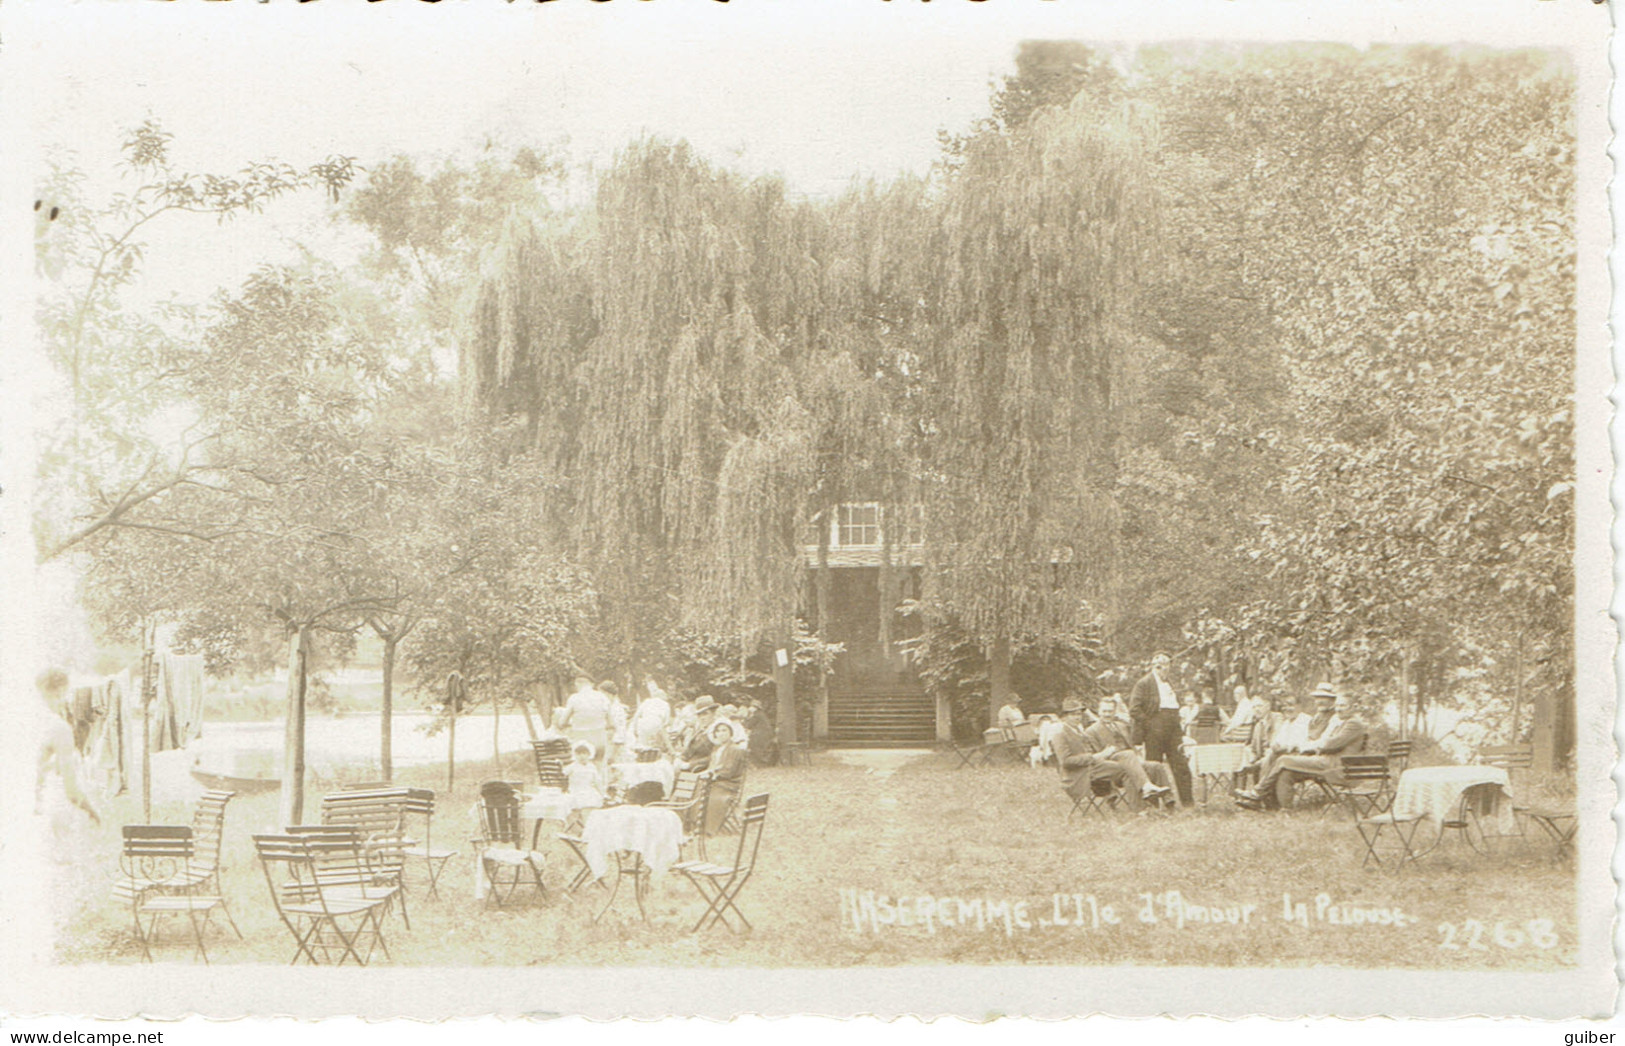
642 840
1434 793
1438 794
1211 762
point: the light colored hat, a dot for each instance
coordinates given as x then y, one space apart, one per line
1325 690
705 703
592 750
1070 705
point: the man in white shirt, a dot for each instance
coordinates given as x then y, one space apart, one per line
1010 715
585 716
1155 710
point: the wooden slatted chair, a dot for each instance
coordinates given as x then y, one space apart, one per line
347 863
306 875
1364 787
379 817
202 873
420 803
720 884
505 858
1399 755
1558 820
162 855
551 755
690 797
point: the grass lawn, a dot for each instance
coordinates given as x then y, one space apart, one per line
914 829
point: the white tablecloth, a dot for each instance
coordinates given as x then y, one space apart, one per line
629 774
1434 792
1217 759
553 805
653 832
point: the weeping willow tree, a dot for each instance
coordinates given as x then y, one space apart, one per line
1045 231
704 364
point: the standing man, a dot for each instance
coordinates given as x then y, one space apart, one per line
1155 711
586 716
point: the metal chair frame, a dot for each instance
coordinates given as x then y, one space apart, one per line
163 855
501 828
720 885
315 895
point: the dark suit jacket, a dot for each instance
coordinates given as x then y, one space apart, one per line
1077 761
1347 738
1143 703
1109 733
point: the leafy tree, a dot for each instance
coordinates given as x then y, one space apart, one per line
1043 234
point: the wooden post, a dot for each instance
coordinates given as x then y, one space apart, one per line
386 730
1517 692
149 686
293 751
454 701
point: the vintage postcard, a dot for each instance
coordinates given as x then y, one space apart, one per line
861 508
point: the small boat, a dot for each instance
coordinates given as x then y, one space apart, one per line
245 772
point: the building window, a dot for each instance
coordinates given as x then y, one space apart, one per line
857 525
914 526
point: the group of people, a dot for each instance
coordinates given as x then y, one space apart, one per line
1140 744
700 736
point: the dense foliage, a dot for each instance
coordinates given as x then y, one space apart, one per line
1263 355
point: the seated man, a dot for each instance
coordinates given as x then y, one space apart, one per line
1081 765
1110 737
1332 732
1011 715
1240 728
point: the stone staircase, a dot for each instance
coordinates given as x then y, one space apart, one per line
882 719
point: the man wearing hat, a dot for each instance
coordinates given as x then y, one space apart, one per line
1081 765
697 749
1154 707
1333 732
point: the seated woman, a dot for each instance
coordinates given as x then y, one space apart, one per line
726 771
584 778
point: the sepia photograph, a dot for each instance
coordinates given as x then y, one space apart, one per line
866 509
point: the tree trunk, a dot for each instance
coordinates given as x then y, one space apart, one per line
784 680
293 755
386 715
530 723
998 677
496 733
451 754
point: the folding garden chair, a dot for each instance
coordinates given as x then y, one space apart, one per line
1103 796
505 859
162 855
1364 787
720 884
306 875
420 802
1558 821
200 875
551 755
348 864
